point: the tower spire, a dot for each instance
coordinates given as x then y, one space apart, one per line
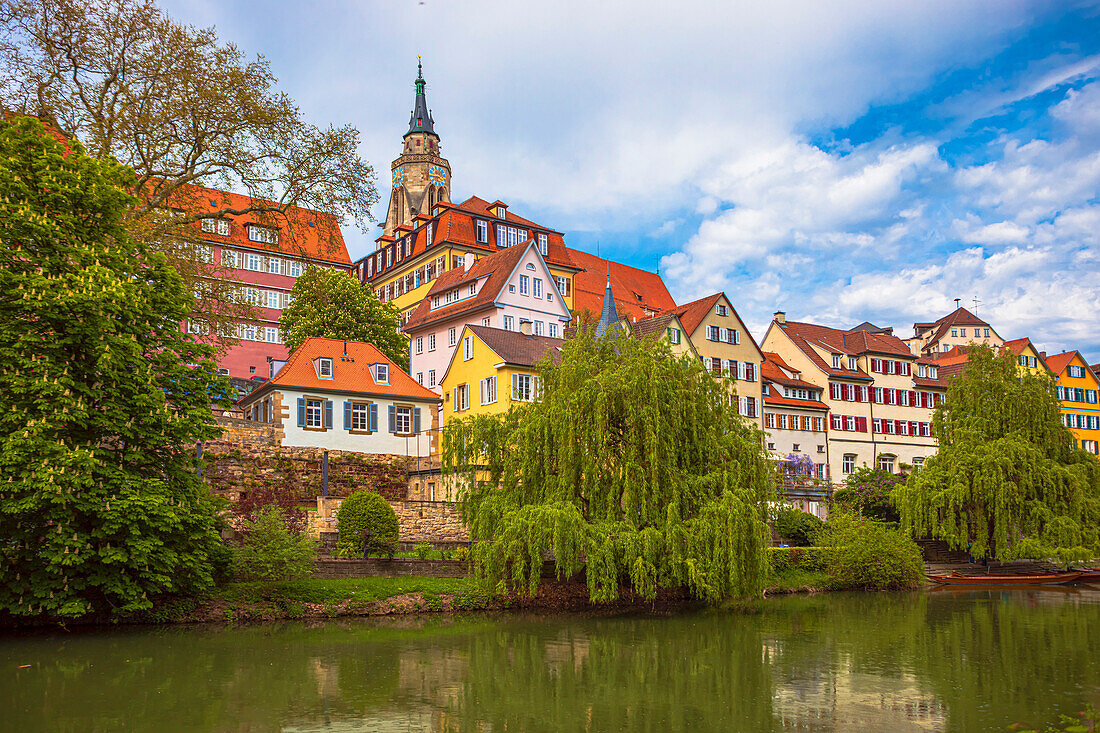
421 118
609 317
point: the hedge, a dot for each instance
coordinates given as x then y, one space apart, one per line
803 558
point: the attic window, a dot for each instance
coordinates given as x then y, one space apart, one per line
836 361
216 226
852 363
266 235
324 367
530 266
382 373
312 224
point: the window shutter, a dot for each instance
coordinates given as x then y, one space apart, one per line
372 418
416 421
393 418
736 337
347 416
328 414
301 412
833 390
861 424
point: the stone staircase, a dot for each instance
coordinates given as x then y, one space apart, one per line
937 552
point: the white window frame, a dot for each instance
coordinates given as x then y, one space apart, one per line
315 413
382 373
482 231
360 416
524 387
452 336
848 463
216 226
431 377
266 235
467 348
489 390
403 420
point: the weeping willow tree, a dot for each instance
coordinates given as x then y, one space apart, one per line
631 464
1007 481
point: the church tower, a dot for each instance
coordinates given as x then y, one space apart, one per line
420 177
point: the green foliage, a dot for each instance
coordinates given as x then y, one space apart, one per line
423 550
102 398
334 305
865 554
367 525
804 558
797 527
867 492
272 550
462 553
632 459
1007 481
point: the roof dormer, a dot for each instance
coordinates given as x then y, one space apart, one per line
499 209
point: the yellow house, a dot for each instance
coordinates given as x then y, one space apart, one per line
491 369
1077 388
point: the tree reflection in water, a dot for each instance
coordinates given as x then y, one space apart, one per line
960 661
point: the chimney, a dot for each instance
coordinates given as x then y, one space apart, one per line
1042 354
468 262
779 317
525 328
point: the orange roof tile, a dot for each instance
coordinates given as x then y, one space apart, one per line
638 294
958 317
780 401
1059 362
348 376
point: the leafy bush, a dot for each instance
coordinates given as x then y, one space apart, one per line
423 550
272 550
866 554
462 553
797 527
867 493
367 525
802 558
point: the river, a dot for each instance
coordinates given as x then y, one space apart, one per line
922 661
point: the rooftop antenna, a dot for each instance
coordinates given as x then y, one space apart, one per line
976 304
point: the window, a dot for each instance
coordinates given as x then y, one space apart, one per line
851 363
486 321
962 333
403 421
216 226
536 287
324 367
713 333
674 335
509 323
254 262
467 348
315 412
523 387
1076 371
420 377
771 446
1091 446
263 234
271 335
230 259
482 231
511 288
431 342
431 377
538 327
420 344
836 361
955 332
795 447
987 336
886 463
359 413
563 285
542 244
249 333
452 336
460 399
524 284
819 425
848 464
427 236
820 448
271 299
488 390
720 309
274 265
296 268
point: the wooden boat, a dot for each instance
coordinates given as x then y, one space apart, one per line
1005 579
1088 575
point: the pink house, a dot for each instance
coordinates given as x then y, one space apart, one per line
512 289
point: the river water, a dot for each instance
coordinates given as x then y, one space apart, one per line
922 661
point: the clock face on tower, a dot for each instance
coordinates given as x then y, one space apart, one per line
398 176
437 176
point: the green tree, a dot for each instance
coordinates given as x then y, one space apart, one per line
102 398
272 550
332 304
366 523
868 492
1007 481
799 528
632 459
868 554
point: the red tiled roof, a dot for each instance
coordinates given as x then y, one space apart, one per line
496 267
515 347
692 314
1059 362
958 317
832 340
50 127
354 376
302 232
780 401
635 291
654 326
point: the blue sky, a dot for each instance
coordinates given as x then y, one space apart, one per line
840 161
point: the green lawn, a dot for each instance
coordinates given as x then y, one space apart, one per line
337 590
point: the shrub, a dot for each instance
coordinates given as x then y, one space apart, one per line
461 553
272 550
867 554
367 525
423 550
867 493
797 527
802 558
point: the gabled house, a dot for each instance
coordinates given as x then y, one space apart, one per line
493 369
512 290
958 328
880 395
345 395
795 417
1077 387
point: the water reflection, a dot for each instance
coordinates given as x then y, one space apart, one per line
961 661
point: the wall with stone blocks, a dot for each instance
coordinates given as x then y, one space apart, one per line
437 522
381 567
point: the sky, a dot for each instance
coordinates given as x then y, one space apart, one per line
842 162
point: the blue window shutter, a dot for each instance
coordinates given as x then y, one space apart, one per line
372 419
416 421
393 419
301 412
328 414
347 416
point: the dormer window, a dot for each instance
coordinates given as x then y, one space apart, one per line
851 363
216 226
500 211
382 373
836 361
324 367
482 231
267 235
542 243
933 372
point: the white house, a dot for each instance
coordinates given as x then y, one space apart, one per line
345 395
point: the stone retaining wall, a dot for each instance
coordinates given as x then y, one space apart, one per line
437 522
381 567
